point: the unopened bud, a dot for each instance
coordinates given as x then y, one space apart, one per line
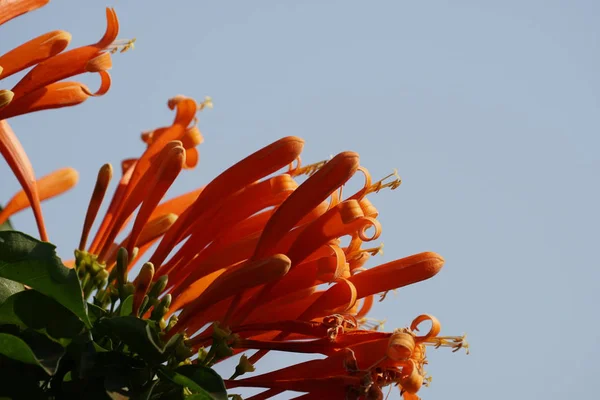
161 309
158 287
172 322
142 283
122 263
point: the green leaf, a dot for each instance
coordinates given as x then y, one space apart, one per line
116 396
126 307
21 381
8 288
184 381
34 263
204 382
165 389
95 312
207 378
137 334
121 374
17 349
31 309
148 389
200 396
6 226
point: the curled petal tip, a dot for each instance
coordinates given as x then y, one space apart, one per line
102 62
112 28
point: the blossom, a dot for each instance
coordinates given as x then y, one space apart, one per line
252 261
41 88
49 186
15 156
248 255
358 363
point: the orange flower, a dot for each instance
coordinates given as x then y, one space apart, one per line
19 163
48 186
141 179
358 363
253 249
41 88
13 8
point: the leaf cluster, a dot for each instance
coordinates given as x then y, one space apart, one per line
55 345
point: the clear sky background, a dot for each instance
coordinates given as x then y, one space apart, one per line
490 111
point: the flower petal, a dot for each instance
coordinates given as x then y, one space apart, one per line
254 167
103 179
398 273
168 172
33 52
48 186
64 65
10 9
55 95
19 163
244 277
305 198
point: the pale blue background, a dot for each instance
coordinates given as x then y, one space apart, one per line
489 110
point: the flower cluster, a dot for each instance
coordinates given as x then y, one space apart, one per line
43 87
254 260
254 249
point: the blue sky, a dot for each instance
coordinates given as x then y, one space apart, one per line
489 111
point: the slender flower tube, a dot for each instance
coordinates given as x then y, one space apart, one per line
19 163
258 259
48 186
13 8
43 87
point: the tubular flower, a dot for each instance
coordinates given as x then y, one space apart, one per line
19 163
41 88
48 186
253 261
359 363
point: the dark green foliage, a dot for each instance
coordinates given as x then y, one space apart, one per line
54 345
28 261
6 226
8 287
